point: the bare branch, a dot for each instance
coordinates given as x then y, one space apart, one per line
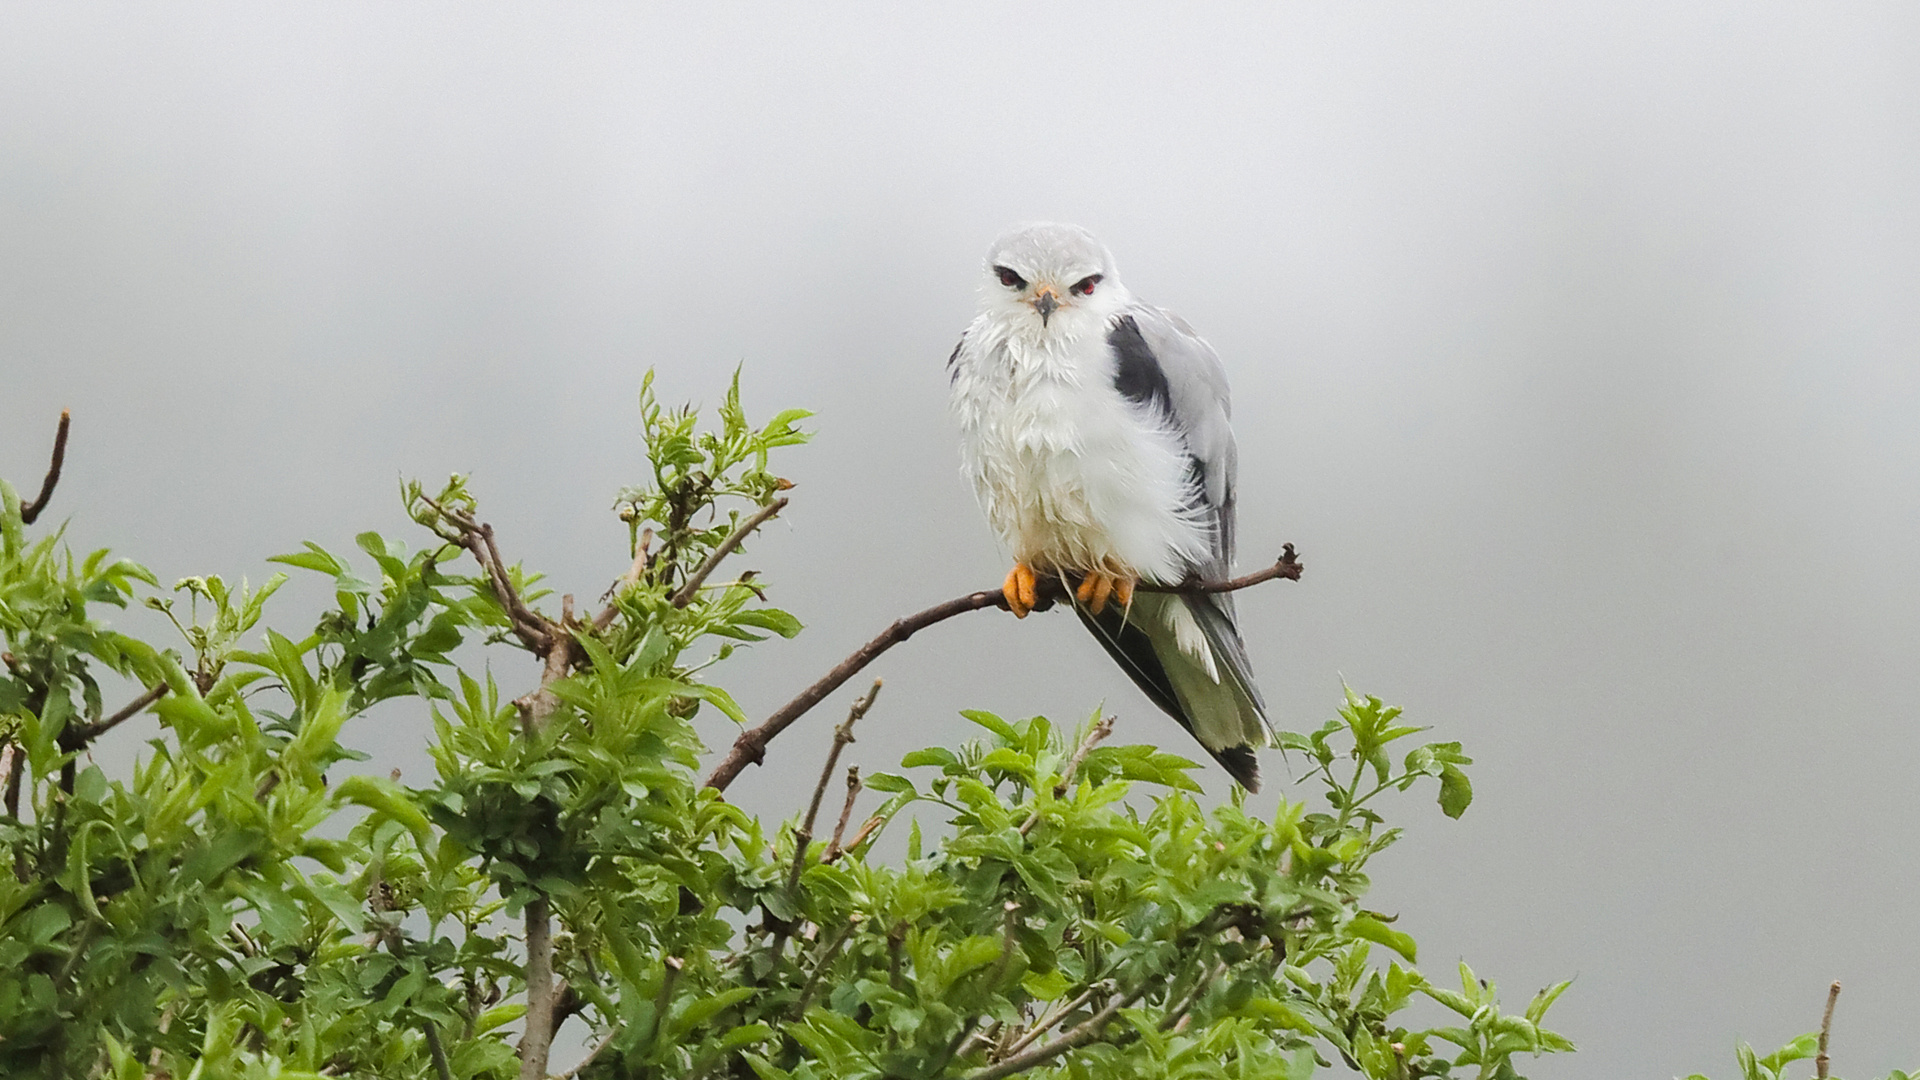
1082 1034
866 829
77 737
751 746
854 787
1288 566
842 735
1826 1025
29 512
803 836
755 520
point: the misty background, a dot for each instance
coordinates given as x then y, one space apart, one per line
1576 346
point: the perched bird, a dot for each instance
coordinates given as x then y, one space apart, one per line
1094 429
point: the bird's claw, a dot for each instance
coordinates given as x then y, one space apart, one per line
1021 590
1098 586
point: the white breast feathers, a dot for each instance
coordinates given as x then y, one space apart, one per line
1072 475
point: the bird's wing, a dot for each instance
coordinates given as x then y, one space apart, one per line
1160 362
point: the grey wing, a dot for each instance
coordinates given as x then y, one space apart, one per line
1197 405
1161 362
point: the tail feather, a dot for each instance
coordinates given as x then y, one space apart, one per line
1216 702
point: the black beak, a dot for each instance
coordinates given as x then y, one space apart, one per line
1046 305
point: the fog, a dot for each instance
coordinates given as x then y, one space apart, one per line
1577 347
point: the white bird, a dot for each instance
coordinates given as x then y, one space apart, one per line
1095 431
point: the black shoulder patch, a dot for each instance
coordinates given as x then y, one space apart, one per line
953 359
1136 371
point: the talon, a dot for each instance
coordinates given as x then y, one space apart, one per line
1097 586
1020 590
1123 591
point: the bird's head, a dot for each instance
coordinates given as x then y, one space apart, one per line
1051 280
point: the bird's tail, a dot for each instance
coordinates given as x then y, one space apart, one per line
1185 654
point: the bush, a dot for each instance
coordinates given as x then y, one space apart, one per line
243 904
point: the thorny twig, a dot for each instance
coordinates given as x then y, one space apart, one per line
29 512
750 748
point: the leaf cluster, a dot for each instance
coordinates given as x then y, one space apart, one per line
245 903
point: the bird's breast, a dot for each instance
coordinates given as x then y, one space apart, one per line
1071 474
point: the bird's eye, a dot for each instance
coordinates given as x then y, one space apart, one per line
1010 279
1084 287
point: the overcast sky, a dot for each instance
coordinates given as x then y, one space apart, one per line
1576 346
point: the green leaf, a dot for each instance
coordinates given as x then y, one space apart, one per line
992 723
1456 791
1371 929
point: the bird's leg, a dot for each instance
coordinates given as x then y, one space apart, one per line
1099 585
1021 590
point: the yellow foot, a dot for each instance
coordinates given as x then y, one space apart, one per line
1098 586
1021 591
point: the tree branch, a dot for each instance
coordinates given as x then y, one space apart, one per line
1082 1034
537 1042
751 747
834 849
1826 1024
842 735
77 737
759 517
29 512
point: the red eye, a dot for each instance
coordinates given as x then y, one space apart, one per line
1010 279
1084 287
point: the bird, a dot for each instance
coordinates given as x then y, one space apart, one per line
1095 430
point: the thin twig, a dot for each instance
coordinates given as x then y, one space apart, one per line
1826 1025
813 977
1200 985
755 520
854 787
31 511
1041 1025
1081 1034
598 1049
866 829
1094 735
751 746
842 735
77 737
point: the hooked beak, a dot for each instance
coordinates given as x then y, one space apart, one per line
1046 302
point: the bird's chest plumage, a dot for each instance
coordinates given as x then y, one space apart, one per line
1072 475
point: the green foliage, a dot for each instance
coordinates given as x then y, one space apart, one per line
241 904
1774 1066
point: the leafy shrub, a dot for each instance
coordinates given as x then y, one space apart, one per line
242 904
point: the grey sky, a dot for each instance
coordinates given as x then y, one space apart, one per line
1576 346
